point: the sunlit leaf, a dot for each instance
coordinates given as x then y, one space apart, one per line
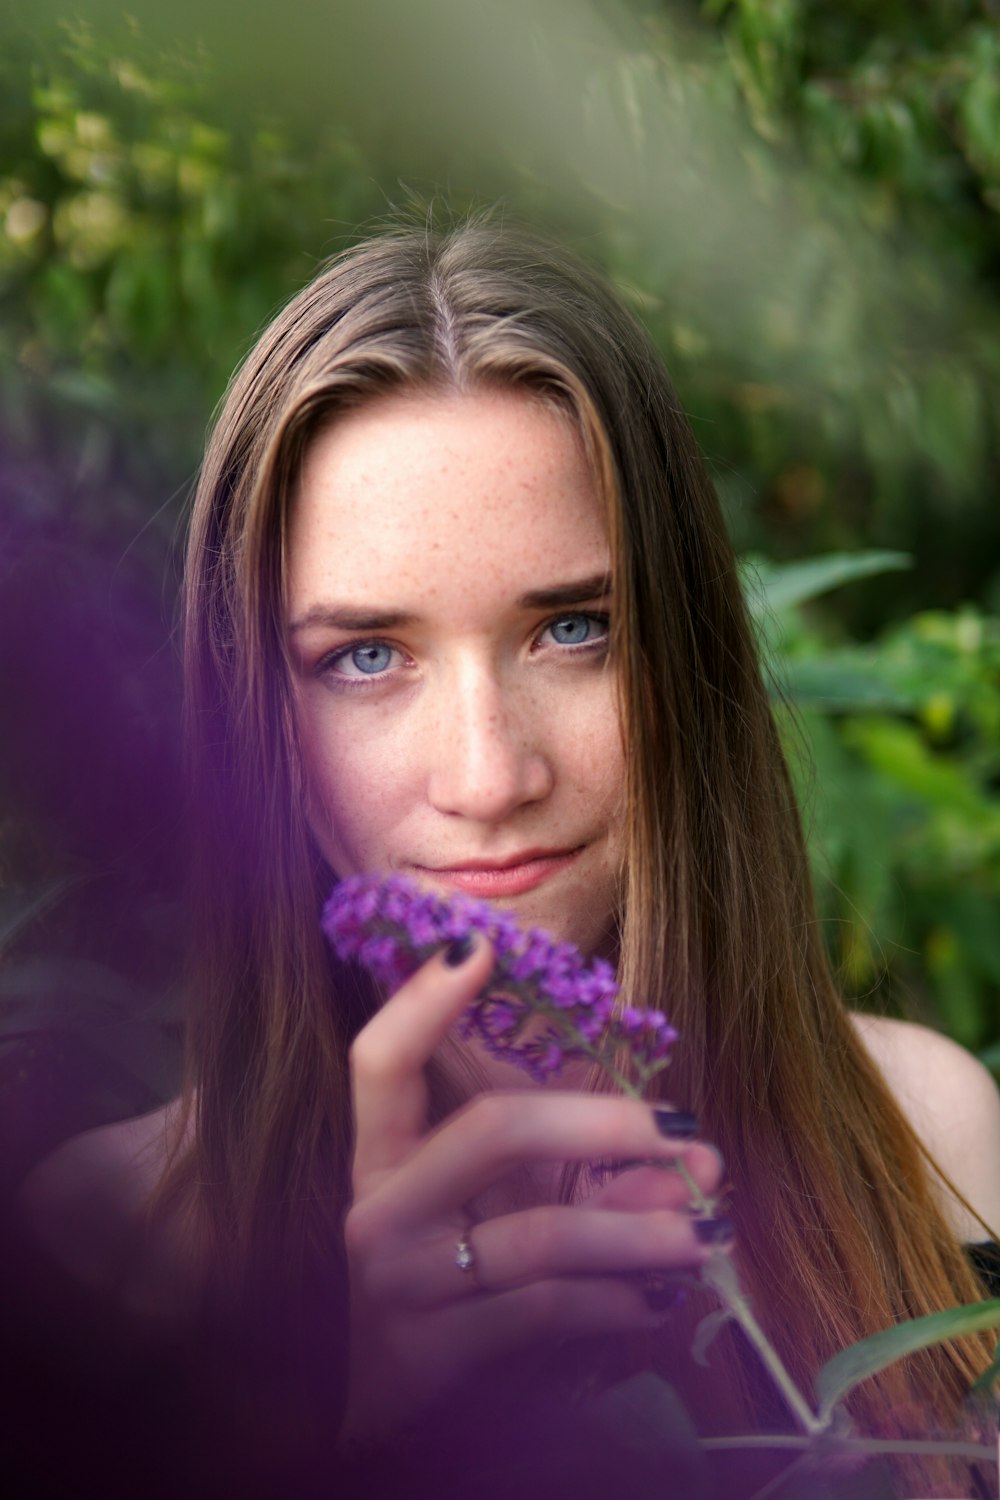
899 751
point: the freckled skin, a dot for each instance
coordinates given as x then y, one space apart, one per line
489 733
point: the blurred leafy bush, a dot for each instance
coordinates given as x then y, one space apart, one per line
896 748
146 239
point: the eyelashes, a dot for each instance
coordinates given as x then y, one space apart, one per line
595 630
371 662
365 664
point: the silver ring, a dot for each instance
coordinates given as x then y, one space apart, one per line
465 1256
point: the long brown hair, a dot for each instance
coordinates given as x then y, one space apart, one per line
840 1232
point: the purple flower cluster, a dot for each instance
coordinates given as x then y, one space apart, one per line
392 926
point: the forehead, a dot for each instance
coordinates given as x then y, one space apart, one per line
418 490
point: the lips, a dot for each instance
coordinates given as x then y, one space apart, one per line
511 877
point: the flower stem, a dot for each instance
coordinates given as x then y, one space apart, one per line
928 1447
720 1274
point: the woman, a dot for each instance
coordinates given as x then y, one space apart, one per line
460 604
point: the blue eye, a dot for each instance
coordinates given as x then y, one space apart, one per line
578 630
353 664
371 658
572 631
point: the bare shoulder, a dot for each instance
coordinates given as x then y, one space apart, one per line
83 1204
952 1102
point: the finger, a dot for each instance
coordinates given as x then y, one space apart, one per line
389 1055
638 1188
537 1244
497 1133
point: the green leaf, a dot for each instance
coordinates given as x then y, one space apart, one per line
979 111
92 393
856 1363
898 751
989 1376
770 587
839 681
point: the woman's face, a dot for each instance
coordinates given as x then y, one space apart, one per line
447 605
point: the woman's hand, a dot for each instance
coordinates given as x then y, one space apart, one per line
419 1321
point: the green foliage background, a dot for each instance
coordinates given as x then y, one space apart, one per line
803 202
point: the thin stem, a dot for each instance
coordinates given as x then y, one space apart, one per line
796 1440
929 1447
625 1084
699 1201
721 1276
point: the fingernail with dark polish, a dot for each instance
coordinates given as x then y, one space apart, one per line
457 952
718 1231
676 1124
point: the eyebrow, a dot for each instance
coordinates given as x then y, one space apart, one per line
565 594
332 617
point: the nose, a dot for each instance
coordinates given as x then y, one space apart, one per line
488 756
